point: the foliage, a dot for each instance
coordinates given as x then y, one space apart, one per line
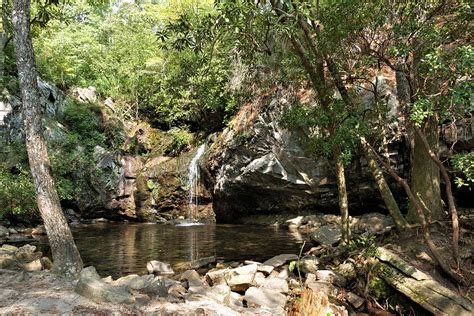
181 140
17 195
464 163
123 51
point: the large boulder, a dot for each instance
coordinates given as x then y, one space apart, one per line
91 286
259 166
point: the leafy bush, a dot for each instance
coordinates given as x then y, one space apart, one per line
181 140
464 163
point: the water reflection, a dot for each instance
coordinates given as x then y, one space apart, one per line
117 248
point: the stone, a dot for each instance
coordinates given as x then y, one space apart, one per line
40 230
4 232
308 264
284 273
280 260
33 266
324 287
266 269
135 282
196 264
346 269
326 235
25 255
160 286
240 279
8 248
262 297
216 277
276 284
259 279
236 300
294 284
331 277
46 263
295 222
177 290
7 261
190 275
159 267
92 287
220 294
12 231
355 300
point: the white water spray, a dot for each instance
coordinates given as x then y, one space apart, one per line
193 181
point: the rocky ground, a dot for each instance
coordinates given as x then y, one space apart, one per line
325 278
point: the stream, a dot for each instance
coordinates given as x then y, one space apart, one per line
118 249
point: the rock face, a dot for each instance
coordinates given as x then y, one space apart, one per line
258 166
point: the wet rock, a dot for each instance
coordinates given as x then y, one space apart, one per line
239 279
295 222
280 260
196 264
308 264
276 284
262 297
4 232
331 277
326 235
159 267
91 286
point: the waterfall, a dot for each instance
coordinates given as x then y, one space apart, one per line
193 181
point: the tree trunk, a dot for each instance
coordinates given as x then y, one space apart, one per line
3 39
425 177
424 174
67 261
383 187
343 201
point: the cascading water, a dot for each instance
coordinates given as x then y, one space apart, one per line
193 181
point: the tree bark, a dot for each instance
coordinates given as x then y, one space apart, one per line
67 261
436 255
383 187
449 193
343 200
3 39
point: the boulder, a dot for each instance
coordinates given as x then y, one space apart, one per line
331 277
240 279
4 232
46 263
276 284
35 265
216 277
40 230
280 260
266 269
308 264
259 279
92 287
135 282
263 297
7 261
159 267
326 235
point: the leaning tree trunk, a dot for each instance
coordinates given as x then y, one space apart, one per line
342 195
67 260
383 187
3 39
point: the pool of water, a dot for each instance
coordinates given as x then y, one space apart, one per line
122 248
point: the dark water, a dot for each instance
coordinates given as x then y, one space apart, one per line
122 248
